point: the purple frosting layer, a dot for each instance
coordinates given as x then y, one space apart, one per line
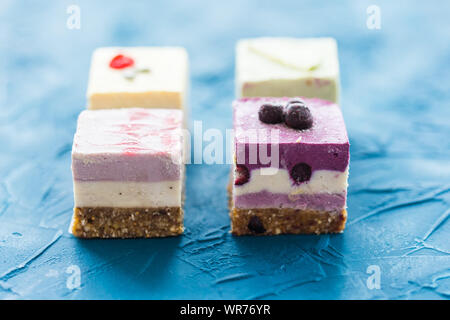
265 199
324 147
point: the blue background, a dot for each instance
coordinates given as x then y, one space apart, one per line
395 99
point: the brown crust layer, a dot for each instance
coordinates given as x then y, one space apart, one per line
279 221
106 222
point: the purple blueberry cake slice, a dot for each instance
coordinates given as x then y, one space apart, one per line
128 173
291 167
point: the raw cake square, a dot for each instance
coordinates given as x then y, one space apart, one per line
285 179
128 173
138 77
287 67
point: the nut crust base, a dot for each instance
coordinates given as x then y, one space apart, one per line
286 221
110 222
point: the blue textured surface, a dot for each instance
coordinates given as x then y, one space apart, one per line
395 100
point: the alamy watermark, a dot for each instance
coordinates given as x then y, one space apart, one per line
374 280
213 146
74 280
74 19
373 21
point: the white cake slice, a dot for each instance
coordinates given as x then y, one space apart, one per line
143 77
287 67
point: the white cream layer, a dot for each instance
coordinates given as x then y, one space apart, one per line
127 194
326 89
322 181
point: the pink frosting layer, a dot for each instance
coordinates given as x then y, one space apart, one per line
128 145
265 199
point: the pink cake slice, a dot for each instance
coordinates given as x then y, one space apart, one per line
128 173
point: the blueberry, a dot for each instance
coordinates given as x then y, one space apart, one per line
301 172
271 113
242 175
255 225
298 115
